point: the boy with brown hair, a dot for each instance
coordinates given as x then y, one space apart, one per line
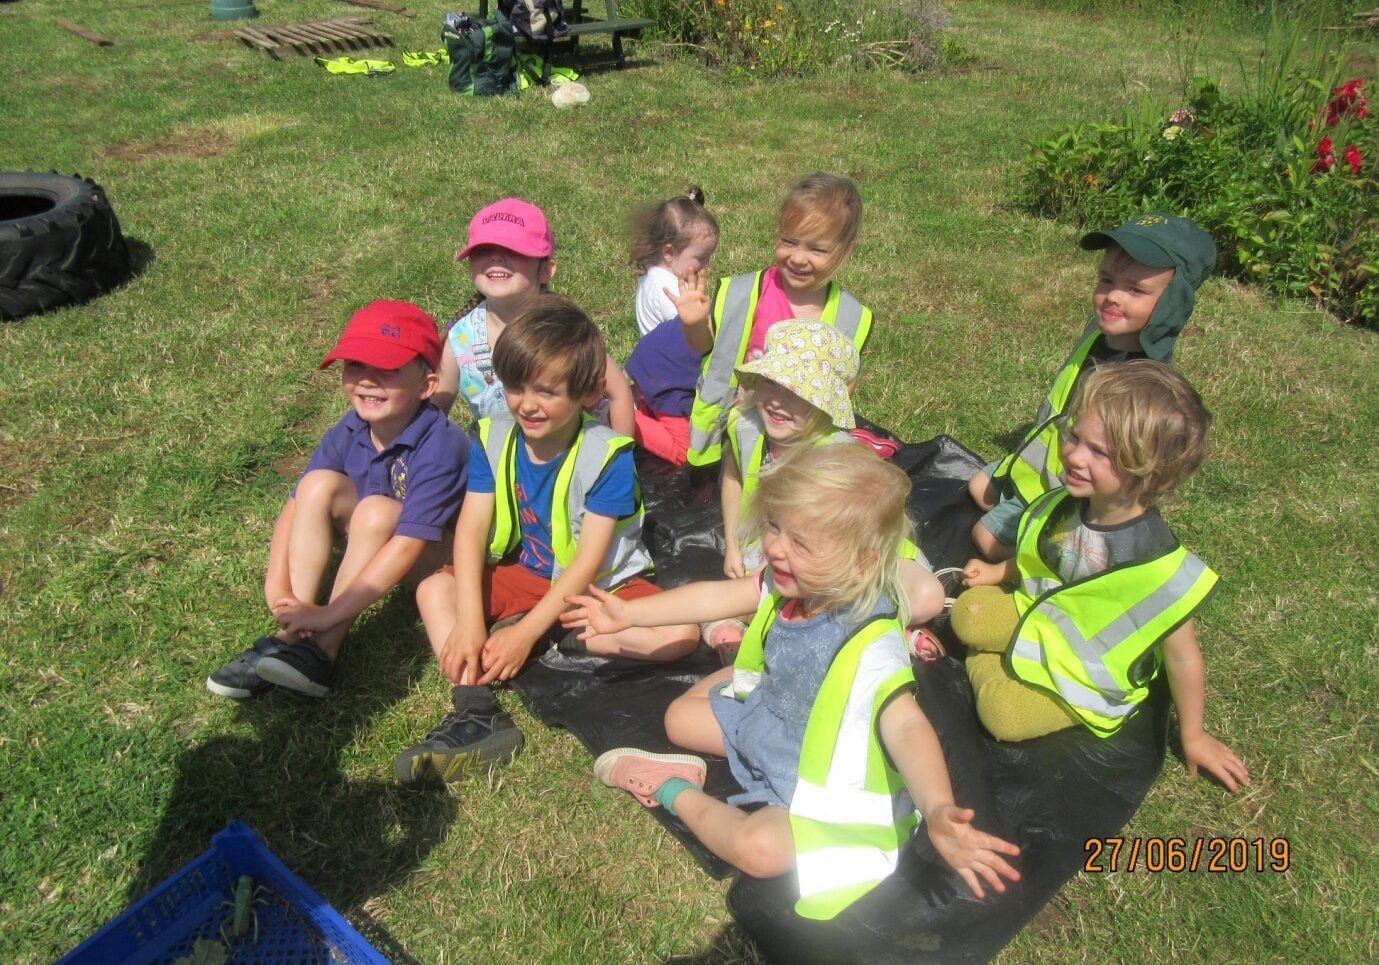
552 506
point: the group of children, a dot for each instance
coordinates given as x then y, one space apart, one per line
530 525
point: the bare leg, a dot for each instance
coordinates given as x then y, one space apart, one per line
371 525
646 643
982 491
989 546
325 502
689 718
436 603
759 843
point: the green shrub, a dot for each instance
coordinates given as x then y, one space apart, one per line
1283 176
773 38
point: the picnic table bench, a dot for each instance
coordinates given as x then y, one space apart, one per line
582 24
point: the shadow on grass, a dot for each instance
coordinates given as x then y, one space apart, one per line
731 946
349 839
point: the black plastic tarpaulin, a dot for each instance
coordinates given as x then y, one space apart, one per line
1047 795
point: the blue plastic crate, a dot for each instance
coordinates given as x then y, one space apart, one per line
295 925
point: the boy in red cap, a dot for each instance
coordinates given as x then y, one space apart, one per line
387 479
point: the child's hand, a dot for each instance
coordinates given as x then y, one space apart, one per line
461 655
692 301
1205 751
969 851
981 573
505 652
599 612
301 620
732 562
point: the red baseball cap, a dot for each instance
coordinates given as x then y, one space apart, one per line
513 224
388 335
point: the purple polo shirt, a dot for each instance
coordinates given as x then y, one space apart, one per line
425 468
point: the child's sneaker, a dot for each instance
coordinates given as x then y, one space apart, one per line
237 678
303 667
642 773
465 741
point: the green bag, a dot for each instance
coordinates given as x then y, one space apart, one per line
483 54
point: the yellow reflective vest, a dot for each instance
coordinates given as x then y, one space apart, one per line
734 307
848 836
1090 643
592 449
1036 466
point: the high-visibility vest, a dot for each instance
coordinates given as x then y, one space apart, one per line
1090 643
847 835
747 441
592 449
1036 465
733 309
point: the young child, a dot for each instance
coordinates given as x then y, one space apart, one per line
1146 287
552 507
819 222
386 480
511 255
1102 594
840 789
672 240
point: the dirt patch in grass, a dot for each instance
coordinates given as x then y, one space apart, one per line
199 141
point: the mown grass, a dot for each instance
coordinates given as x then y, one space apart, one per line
149 438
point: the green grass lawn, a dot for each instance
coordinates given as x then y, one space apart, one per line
149 438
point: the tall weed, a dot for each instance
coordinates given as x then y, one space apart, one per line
772 38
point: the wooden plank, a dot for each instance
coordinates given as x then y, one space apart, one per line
83 33
306 37
396 8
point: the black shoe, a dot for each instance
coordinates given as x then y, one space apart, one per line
303 667
237 678
464 742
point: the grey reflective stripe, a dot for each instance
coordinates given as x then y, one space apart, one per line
1090 652
748 430
626 556
1070 690
1037 586
1035 454
716 380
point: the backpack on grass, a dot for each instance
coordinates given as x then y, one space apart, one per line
537 19
483 54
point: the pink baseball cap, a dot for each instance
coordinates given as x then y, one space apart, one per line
388 335
513 224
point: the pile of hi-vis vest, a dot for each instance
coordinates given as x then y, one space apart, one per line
484 60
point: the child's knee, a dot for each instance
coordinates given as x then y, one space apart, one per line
764 848
984 618
924 594
375 516
434 591
980 489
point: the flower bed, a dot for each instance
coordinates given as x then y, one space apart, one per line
1282 176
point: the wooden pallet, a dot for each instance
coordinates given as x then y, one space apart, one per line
311 37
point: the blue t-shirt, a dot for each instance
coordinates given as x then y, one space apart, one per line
425 468
613 494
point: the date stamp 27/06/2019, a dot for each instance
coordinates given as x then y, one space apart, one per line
1235 855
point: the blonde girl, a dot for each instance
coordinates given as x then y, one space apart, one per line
840 794
672 240
511 256
817 231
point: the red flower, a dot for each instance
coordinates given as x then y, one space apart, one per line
1346 99
1324 147
1323 165
1352 158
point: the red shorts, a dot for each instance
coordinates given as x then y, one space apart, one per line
511 588
662 435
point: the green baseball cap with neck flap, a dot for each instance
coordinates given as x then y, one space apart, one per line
1162 240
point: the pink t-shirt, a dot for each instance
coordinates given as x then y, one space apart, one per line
772 306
